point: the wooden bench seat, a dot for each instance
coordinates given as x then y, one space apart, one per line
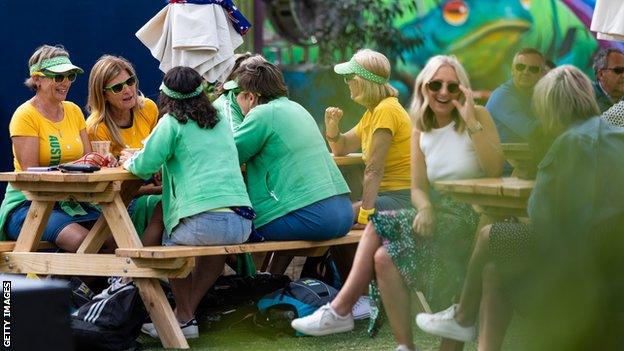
164 252
7 246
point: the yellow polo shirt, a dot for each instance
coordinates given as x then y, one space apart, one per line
142 125
59 142
389 114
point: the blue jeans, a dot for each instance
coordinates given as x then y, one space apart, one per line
326 219
393 200
57 222
209 228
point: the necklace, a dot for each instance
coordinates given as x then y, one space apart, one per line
53 115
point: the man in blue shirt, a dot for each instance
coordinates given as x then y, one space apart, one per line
609 84
510 103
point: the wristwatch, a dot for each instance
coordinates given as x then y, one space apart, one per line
477 127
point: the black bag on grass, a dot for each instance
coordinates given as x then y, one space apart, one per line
111 323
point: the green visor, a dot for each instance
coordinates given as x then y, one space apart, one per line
352 67
59 64
230 85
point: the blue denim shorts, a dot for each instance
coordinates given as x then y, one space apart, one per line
57 222
209 228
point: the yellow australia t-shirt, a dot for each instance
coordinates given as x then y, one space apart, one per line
389 114
142 125
59 142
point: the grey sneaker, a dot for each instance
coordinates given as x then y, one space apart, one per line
444 324
189 329
323 321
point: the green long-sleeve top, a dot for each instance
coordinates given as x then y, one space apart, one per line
200 169
228 107
288 164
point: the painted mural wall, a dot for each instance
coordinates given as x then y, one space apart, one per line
483 34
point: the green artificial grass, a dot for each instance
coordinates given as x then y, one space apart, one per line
242 336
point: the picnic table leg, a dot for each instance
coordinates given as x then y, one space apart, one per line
451 345
161 313
33 226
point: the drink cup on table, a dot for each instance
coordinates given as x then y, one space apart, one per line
126 153
101 147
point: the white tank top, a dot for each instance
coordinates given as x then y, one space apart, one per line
449 155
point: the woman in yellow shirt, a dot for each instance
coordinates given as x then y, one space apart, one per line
383 133
46 131
122 115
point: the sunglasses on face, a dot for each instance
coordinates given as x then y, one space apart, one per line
60 78
436 85
348 77
616 70
520 67
117 88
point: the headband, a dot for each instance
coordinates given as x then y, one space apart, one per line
179 96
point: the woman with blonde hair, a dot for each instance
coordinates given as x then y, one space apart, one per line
383 134
424 248
515 256
119 112
122 115
46 131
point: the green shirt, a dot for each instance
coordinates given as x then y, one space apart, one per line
227 106
200 168
288 164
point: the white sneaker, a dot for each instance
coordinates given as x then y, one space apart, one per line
443 324
323 321
189 329
116 284
404 348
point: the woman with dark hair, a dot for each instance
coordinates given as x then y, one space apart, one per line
294 184
204 198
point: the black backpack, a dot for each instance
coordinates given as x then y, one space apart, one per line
112 323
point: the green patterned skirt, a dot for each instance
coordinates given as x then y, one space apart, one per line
435 265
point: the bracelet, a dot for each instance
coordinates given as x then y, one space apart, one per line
364 214
333 139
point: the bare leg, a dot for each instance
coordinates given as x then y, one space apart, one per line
189 291
152 235
466 313
395 296
279 263
70 237
361 272
495 313
356 210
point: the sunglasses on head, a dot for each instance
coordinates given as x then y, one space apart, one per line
520 67
60 78
117 88
436 85
616 70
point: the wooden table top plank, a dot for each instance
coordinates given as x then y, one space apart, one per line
350 159
105 174
513 187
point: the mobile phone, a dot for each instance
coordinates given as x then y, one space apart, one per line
42 169
74 168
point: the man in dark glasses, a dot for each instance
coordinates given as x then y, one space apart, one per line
609 84
510 103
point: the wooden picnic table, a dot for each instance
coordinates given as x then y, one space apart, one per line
520 158
495 199
112 189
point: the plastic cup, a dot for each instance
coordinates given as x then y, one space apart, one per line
101 147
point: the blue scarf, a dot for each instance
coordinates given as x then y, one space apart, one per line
240 23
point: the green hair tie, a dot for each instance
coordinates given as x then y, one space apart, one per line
366 74
179 96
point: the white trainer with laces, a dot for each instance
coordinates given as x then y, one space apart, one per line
323 321
116 284
444 324
189 329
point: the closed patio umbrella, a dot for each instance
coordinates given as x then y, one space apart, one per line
201 34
